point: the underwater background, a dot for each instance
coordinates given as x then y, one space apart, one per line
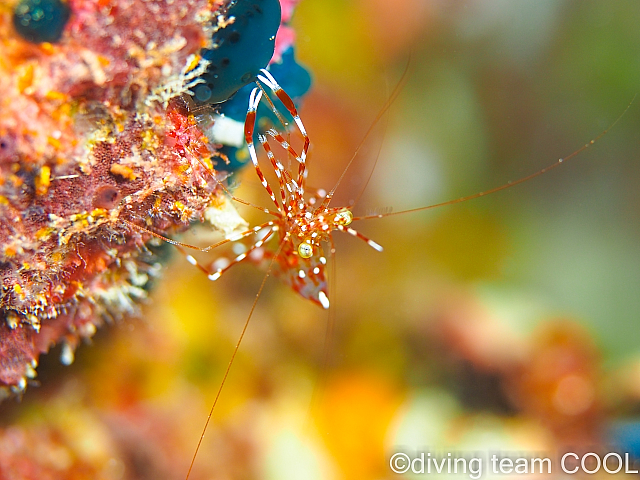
503 324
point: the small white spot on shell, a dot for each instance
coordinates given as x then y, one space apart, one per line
316 270
214 276
324 301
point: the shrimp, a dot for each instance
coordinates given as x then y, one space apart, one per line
291 242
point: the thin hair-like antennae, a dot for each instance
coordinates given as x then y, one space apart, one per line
509 184
233 356
232 238
394 94
373 167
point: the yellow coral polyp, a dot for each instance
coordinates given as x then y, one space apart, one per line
25 78
18 290
54 142
207 161
194 61
44 233
98 212
58 96
182 210
123 171
149 140
64 111
183 169
43 180
47 48
86 218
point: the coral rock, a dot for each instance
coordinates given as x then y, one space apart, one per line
87 148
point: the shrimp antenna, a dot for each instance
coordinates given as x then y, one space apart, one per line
509 184
392 98
233 357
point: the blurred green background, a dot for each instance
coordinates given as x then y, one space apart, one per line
504 323
496 90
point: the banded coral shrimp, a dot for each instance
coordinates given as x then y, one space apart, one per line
276 372
301 224
376 314
339 218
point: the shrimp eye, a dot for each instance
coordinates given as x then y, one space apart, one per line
305 250
343 217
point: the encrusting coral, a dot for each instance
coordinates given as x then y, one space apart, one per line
95 135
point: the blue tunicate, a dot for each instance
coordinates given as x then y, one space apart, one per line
292 77
240 48
41 20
